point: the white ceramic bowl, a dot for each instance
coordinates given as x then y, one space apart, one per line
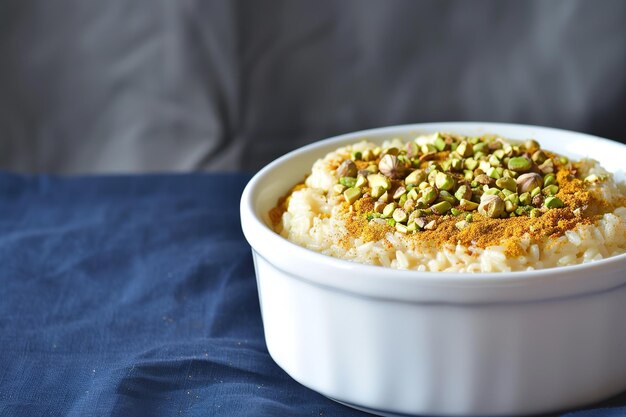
401 342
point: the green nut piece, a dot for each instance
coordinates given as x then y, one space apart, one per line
357 155
550 190
469 217
415 177
535 191
347 169
465 149
391 166
338 188
553 202
509 206
532 146
507 184
377 192
429 195
378 180
480 147
463 192
360 181
491 206
455 211
399 215
379 206
352 194
549 179
547 167
470 164
456 165
461 225
446 196
539 157
411 227
493 172
494 161
535 213
440 143
368 155
400 191
519 164
388 210
413 194
430 225
347 181
467 205
525 199
441 208
412 150
402 228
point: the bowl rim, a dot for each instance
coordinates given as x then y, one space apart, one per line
264 241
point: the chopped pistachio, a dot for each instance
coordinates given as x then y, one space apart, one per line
480 147
415 177
352 194
469 217
550 190
402 199
463 192
467 205
400 191
549 179
547 166
455 211
413 194
377 192
391 222
401 228
368 155
421 222
428 149
347 169
553 202
361 180
399 215
409 205
468 175
484 179
491 206
461 225
440 143
430 225
429 195
444 181
347 181
499 153
385 197
412 150
456 165
535 191
513 197
507 183
391 151
388 210
470 164
525 199
592 178
532 146
519 164
535 213
411 227
539 157
378 180
357 155
528 182
379 206
493 173
563 160
484 165
465 149
338 188
494 161
441 208
509 206
446 196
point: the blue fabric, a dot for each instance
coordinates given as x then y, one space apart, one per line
136 296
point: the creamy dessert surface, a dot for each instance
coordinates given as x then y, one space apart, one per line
445 202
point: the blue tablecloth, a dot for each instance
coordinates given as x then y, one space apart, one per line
136 296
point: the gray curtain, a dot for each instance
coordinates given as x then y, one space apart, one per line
132 85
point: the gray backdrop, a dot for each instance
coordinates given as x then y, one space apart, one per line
131 85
